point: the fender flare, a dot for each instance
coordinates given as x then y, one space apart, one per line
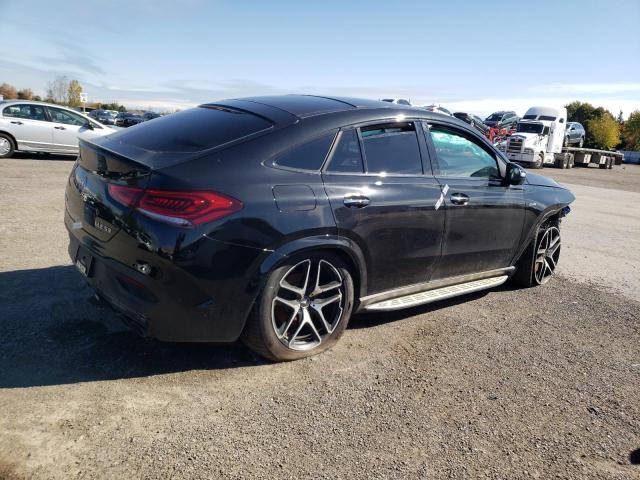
320 242
533 231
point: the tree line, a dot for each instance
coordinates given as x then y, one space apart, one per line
60 91
603 130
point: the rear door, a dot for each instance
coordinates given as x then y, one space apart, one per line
385 200
484 217
29 125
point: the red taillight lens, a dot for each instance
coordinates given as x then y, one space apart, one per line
127 196
178 208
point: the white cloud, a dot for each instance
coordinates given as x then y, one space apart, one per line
587 88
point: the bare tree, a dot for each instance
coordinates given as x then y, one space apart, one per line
58 90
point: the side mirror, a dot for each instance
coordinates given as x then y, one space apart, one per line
88 126
515 174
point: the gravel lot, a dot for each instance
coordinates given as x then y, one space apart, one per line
539 383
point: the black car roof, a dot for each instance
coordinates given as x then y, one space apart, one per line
303 106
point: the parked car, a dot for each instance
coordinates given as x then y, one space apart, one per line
150 115
472 120
397 101
437 109
42 127
126 119
273 219
103 116
502 119
574 134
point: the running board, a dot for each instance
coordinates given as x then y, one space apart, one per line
436 294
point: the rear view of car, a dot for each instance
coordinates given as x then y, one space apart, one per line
142 237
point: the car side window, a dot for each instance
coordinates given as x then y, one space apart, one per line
28 112
308 156
346 156
461 156
391 149
68 118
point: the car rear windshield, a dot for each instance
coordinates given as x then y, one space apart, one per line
193 130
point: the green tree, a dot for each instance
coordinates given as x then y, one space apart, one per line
73 93
604 131
8 91
631 132
37 98
25 94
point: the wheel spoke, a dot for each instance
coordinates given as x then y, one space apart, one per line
551 262
283 331
289 303
323 302
300 291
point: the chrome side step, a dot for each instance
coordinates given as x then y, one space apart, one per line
436 294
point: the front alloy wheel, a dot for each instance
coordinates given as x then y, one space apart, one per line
547 255
303 310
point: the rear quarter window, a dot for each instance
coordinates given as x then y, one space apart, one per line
193 130
308 156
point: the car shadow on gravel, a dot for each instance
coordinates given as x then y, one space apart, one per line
51 334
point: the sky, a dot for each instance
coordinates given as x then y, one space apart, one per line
469 55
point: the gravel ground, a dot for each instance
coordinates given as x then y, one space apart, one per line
538 383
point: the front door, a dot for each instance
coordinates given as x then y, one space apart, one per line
66 126
382 200
484 216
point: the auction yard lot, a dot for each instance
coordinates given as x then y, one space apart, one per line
538 383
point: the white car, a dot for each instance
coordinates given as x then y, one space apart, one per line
43 127
437 109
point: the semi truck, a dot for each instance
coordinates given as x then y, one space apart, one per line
539 138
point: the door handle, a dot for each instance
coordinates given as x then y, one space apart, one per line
356 201
459 199
16 122
59 128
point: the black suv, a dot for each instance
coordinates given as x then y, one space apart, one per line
273 219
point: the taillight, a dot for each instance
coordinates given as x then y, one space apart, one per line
178 208
127 196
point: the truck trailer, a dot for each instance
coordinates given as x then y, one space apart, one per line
538 141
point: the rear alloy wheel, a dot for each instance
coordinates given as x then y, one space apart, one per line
537 265
581 142
303 310
6 146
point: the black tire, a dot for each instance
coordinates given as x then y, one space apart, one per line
260 331
581 142
566 142
526 271
604 166
4 139
610 163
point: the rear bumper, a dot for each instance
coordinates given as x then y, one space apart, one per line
183 304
